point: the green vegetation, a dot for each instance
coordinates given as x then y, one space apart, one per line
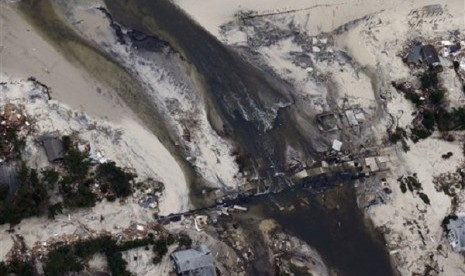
30 199
77 163
403 187
447 155
110 175
70 258
414 186
429 80
11 144
432 108
62 260
73 183
55 209
413 98
437 96
16 267
399 135
160 248
428 120
184 240
424 197
51 177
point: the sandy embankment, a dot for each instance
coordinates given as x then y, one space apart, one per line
24 53
169 85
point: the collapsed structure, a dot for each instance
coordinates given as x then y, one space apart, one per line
456 232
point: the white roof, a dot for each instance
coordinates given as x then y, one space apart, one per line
337 145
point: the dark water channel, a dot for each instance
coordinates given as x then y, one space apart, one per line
250 103
333 225
243 96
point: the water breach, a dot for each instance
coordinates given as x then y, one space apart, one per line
251 102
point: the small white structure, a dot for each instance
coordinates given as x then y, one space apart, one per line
350 115
337 145
456 232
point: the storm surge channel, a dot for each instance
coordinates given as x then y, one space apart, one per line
252 105
257 110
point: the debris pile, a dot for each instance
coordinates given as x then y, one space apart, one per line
12 122
449 182
151 191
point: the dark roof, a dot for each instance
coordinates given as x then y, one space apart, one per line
414 54
429 55
9 177
455 48
53 148
196 261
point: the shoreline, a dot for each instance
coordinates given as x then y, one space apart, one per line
86 93
137 101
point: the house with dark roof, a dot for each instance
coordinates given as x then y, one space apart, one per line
9 178
430 56
53 148
194 262
414 55
422 54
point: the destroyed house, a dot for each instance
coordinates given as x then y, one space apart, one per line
456 233
194 262
429 55
53 148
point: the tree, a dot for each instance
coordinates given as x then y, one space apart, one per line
77 164
118 180
61 261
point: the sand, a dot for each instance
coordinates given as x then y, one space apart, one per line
24 53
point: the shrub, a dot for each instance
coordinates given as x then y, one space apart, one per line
118 180
82 198
437 96
403 187
160 247
20 268
66 140
61 261
77 164
413 98
458 115
429 79
184 240
51 177
420 133
428 120
447 155
55 209
398 135
424 197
